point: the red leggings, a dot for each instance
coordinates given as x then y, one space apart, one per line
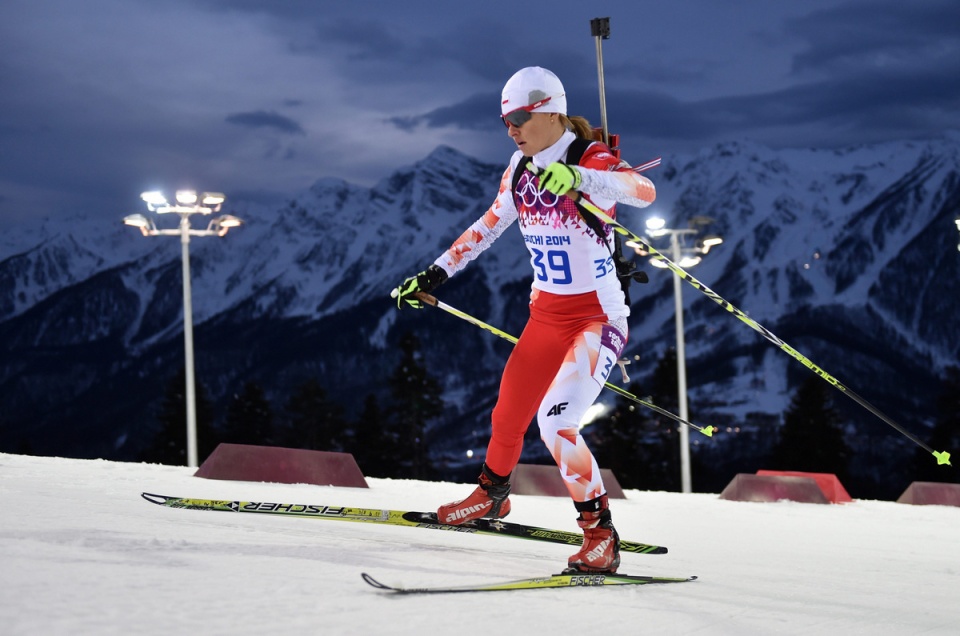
556 372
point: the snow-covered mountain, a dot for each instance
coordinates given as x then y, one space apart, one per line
849 256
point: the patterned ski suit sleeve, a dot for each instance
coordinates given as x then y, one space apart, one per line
606 177
484 230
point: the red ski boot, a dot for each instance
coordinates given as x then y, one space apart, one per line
601 543
490 500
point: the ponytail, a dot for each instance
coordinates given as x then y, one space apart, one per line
578 125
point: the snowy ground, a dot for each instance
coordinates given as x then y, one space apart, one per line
82 553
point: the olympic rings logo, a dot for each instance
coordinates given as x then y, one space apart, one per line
532 197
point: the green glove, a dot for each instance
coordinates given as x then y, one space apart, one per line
559 178
425 281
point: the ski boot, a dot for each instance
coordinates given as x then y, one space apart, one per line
490 500
600 552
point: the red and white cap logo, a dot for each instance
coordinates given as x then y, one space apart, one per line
530 85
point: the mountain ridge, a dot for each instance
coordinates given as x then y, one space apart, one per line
829 249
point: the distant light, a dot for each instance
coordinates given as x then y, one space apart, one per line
711 241
154 198
137 220
213 198
186 197
689 261
592 414
655 223
469 453
228 220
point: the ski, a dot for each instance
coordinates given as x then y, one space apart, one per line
403 518
575 579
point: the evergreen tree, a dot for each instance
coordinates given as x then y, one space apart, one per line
416 401
314 421
375 443
811 439
249 418
170 443
18 445
663 384
945 435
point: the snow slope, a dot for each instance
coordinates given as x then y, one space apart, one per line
82 553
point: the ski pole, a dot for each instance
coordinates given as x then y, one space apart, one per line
432 301
943 457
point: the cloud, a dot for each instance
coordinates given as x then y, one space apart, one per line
264 119
874 35
474 113
89 112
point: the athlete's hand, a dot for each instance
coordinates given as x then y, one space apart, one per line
425 281
559 178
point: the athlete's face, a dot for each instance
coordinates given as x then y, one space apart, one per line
541 131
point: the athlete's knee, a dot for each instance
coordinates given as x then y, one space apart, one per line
556 421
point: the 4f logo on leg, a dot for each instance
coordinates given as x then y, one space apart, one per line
557 409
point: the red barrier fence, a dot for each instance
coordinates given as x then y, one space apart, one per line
241 462
768 488
926 493
828 482
532 479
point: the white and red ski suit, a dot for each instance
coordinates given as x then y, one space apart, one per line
578 315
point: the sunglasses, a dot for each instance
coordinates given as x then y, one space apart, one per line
522 115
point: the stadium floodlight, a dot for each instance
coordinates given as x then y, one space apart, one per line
186 197
187 205
685 257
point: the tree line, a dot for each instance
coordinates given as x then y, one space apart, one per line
642 448
388 438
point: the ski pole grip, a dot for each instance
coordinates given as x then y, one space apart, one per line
426 298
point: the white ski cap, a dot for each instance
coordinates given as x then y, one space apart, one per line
530 85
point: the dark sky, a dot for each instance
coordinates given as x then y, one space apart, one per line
102 99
